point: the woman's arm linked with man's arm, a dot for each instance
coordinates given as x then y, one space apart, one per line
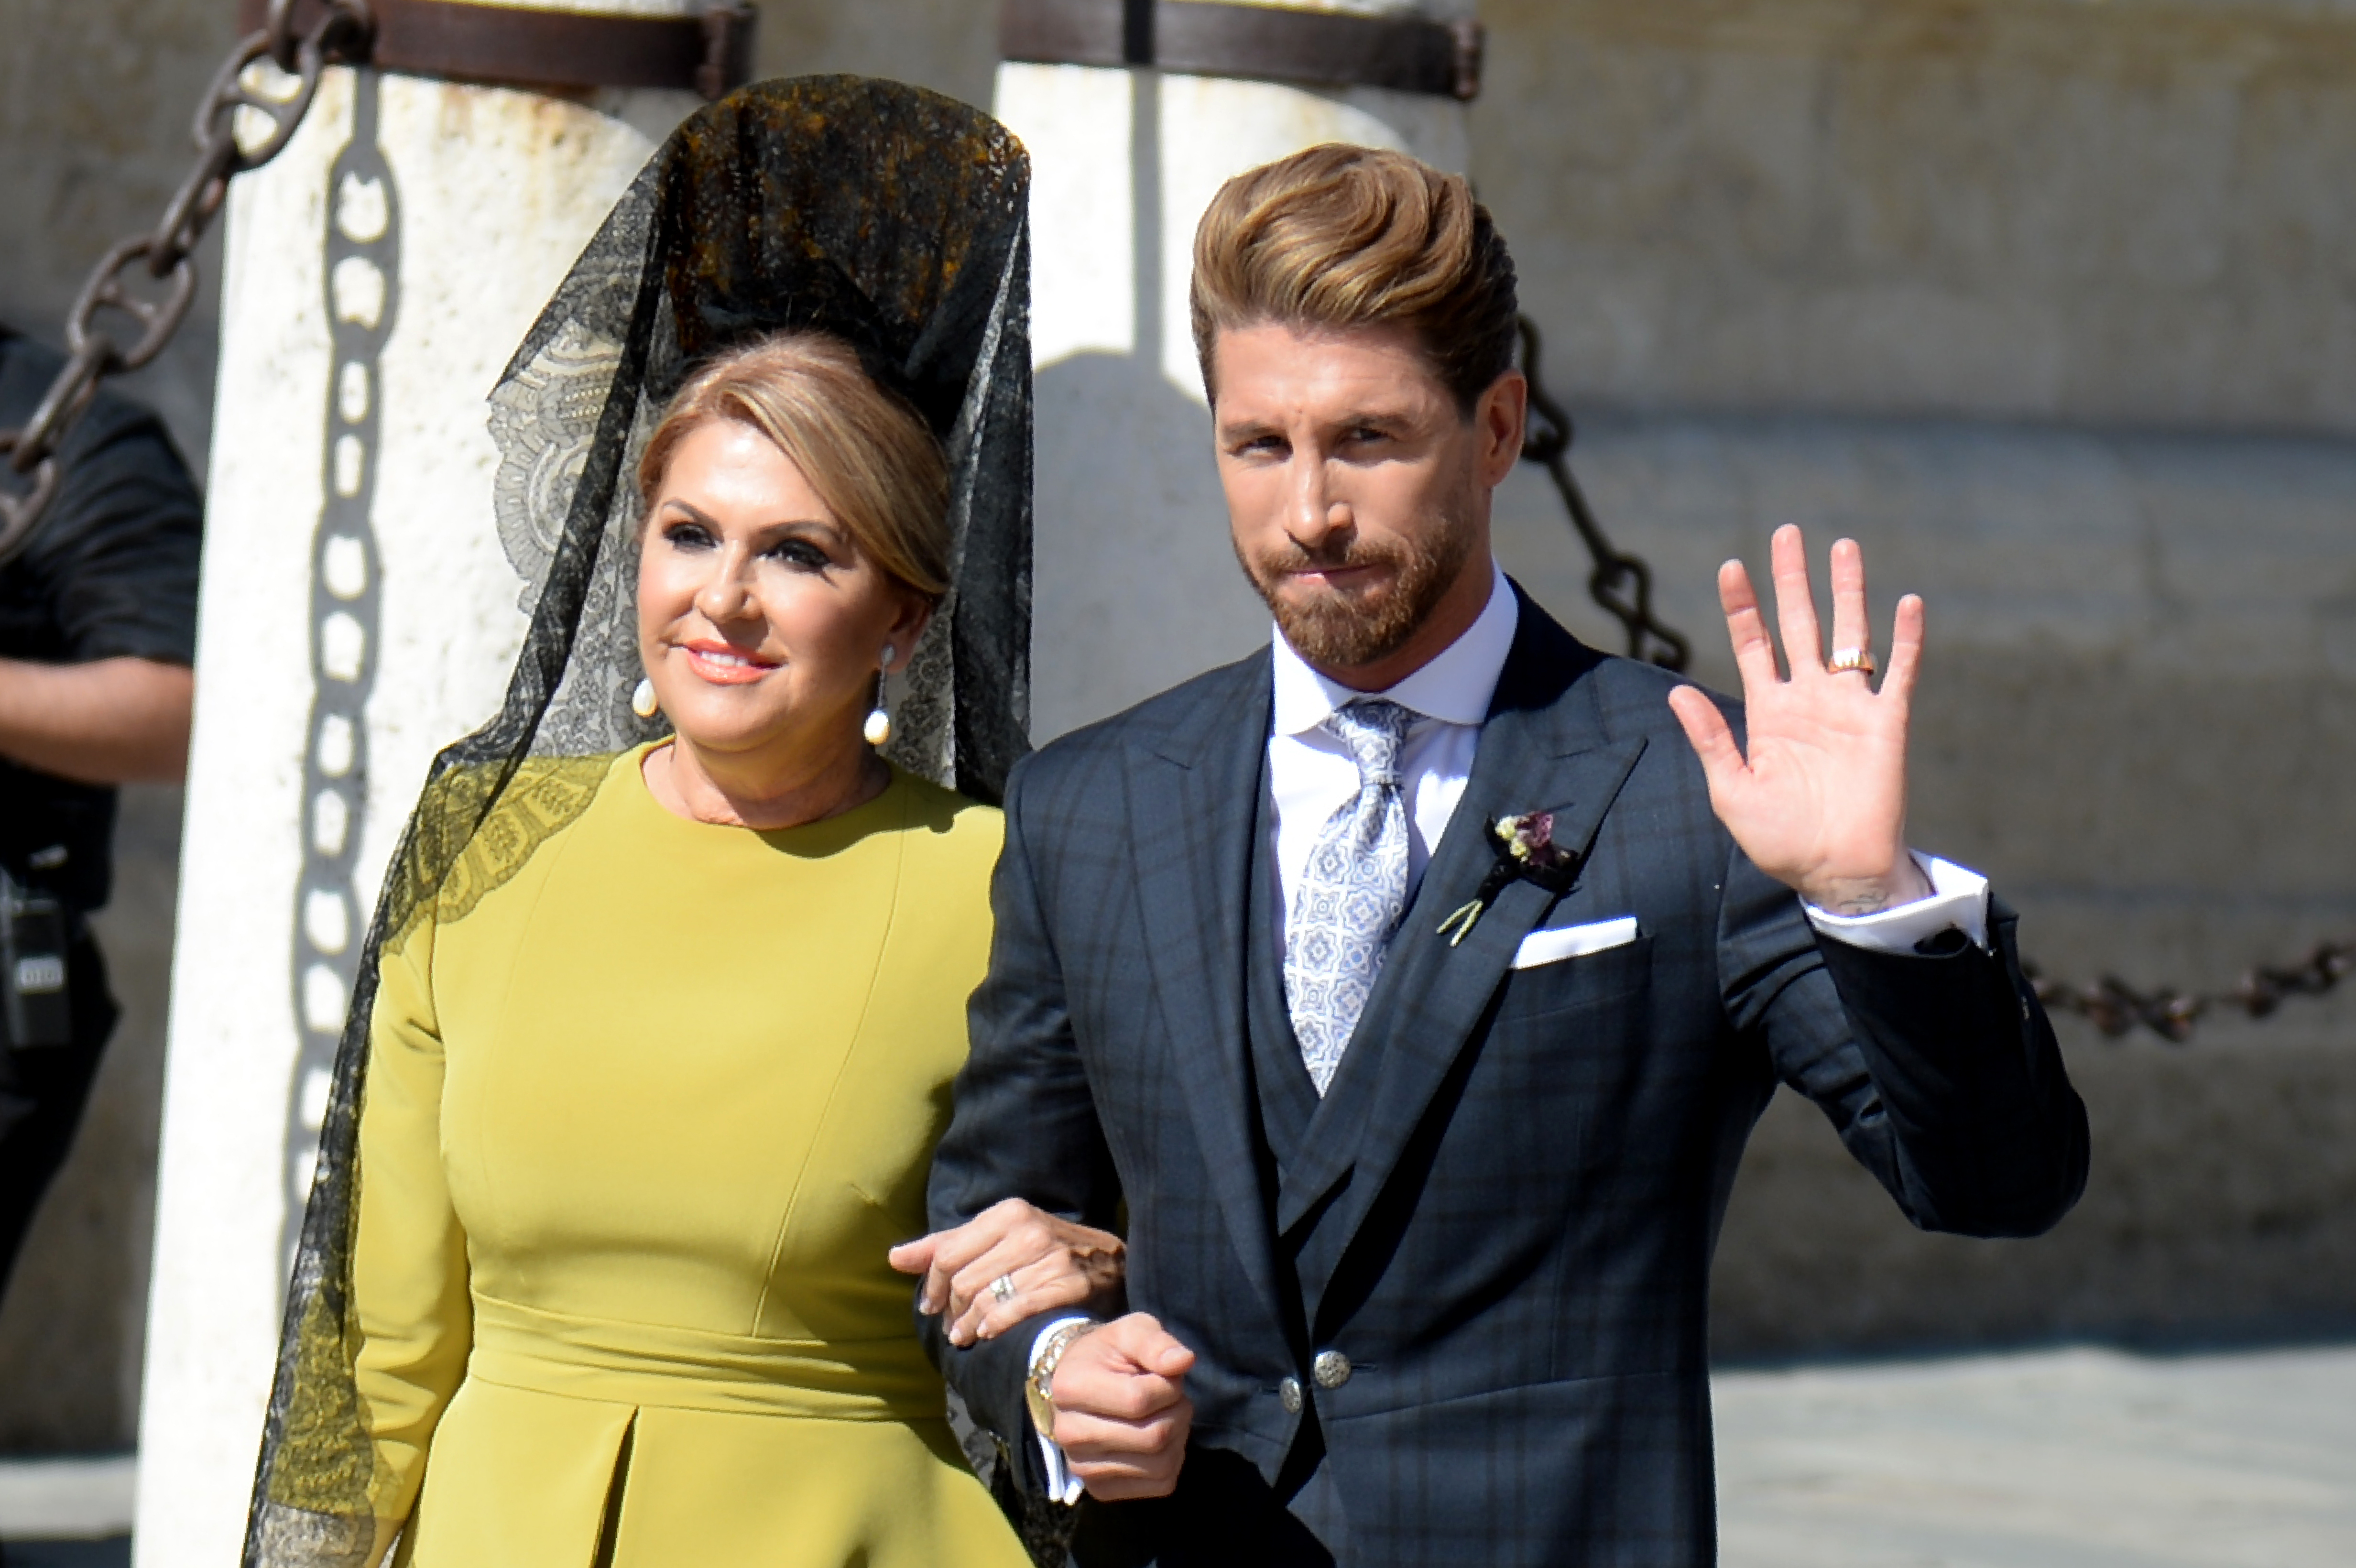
1026 1128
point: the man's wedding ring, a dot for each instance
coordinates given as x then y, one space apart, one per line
1002 1287
1847 659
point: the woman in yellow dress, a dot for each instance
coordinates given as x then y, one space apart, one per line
660 1036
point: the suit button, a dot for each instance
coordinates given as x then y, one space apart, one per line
1287 1394
1330 1369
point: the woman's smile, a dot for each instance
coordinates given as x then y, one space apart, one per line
722 665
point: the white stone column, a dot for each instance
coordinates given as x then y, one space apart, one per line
358 614
1137 586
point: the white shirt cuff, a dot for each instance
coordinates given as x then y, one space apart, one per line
1958 901
1063 1486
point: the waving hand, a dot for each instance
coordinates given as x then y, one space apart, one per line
1817 797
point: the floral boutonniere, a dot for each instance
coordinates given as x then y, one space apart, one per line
1525 851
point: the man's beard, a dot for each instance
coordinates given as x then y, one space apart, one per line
1349 628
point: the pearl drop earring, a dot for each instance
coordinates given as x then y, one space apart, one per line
878 728
643 701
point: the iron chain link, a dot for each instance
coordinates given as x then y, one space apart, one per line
1621 583
2117 1008
165 255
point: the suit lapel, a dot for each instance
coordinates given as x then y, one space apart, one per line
1543 747
1194 795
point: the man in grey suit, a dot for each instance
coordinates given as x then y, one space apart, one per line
1414 983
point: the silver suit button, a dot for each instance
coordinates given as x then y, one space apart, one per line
1287 1394
1330 1369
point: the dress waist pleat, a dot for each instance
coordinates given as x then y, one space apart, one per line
661 1365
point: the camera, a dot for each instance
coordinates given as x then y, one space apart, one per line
35 1006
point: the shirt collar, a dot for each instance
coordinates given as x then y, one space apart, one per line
1454 688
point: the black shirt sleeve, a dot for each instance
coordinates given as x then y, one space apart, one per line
111 570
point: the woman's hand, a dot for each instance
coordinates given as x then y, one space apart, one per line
1045 1263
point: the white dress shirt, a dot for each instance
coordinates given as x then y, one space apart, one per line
1312 774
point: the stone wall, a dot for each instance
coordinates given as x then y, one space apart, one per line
2051 306
2047 209
2051 302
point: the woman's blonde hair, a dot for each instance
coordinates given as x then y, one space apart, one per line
869 455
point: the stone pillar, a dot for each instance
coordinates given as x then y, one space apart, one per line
1137 587
359 613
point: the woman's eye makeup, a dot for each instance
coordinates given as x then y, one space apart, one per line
803 554
799 552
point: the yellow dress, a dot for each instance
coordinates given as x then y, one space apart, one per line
641 1118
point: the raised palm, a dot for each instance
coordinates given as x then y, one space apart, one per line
1816 797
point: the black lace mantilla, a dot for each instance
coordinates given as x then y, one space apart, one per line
889 216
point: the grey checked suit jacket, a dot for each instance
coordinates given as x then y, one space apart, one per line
1503 1211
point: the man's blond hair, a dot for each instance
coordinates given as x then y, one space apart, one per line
870 456
1343 237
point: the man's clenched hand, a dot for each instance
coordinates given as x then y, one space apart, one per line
1121 1409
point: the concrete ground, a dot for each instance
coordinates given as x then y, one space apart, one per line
67 1512
2067 1459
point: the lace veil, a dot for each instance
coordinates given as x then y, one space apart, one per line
889 216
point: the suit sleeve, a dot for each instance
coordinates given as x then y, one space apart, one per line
1938 1068
409 1263
1023 1125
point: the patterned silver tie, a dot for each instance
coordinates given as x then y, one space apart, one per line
1352 892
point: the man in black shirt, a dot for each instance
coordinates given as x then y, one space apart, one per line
97 637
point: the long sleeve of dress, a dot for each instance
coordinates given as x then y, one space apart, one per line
409 1267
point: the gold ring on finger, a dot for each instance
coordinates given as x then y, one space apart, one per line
1847 659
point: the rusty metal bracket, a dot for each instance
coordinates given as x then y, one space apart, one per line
1269 43
709 52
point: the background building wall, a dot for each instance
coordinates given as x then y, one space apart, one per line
2052 306
2048 209
2050 303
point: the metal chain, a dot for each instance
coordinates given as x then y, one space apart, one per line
2117 1008
1622 585
163 254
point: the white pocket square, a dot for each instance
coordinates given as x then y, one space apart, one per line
1552 945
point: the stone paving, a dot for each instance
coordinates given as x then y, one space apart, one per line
2071 1459
2068 1459
70 1499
